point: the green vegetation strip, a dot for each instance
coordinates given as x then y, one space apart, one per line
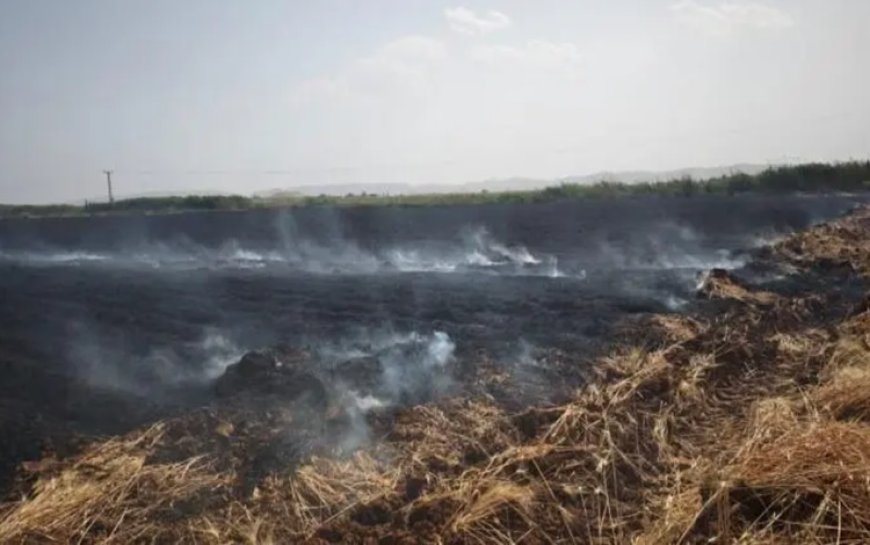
850 176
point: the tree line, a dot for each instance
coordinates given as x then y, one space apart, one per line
852 176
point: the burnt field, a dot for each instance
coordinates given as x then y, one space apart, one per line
626 371
112 322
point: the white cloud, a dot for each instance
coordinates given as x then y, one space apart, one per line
726 17
535 53
466 21
406 63
412 49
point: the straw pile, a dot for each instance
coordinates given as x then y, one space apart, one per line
111 495
842 243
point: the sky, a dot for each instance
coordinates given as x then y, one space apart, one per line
228 96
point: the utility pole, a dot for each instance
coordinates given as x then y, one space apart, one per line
108 174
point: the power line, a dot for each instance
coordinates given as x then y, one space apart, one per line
108 174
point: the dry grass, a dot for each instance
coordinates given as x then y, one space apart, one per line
842 243
768 418
812 481
848 352
844 392
482 506
677 328
446 437
720 285
324 488
617 464
847 395
110 495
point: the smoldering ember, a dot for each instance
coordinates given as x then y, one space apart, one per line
610 369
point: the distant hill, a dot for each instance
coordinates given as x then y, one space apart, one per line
511 184
696 173
491 185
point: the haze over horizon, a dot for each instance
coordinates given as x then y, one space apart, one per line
223 96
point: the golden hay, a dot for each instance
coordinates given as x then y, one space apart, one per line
799 343
445 436
324 488
294 507
811 484
769 419
858 325
847 395
635 373
719 284
811 478
235 525
111 495
484 504
678 511
841 243
849 351
690 387
677 328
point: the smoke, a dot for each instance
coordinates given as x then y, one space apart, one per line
107 361
411 368
490 251
155 309
533 374
474 251
667 246
334 254
219 352
53 257
382 369
364 404
370 370
376 371
766 237
325 249
674 303
657 264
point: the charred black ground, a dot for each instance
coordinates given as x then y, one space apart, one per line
108 323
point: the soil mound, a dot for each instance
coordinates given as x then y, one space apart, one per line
283 373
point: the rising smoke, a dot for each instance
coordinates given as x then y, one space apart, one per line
430 286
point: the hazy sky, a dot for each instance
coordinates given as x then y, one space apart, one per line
226 95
